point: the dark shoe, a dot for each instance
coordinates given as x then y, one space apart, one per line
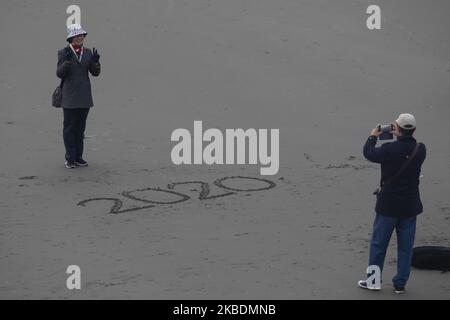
81 163
399 290
363 284
70 164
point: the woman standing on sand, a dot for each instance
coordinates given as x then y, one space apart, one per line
74 63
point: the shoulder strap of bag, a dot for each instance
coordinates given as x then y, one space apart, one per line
400 171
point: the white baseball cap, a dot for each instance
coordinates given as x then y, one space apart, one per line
74 30
406 121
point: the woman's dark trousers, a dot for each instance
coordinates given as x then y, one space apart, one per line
73 132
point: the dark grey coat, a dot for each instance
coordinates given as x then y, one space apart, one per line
76 89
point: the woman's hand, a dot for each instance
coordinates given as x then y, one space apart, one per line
67 64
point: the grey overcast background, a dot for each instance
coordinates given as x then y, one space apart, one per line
309 68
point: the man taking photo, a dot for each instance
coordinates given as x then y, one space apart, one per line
398 199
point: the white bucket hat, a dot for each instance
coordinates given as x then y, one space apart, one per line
74 30
406 121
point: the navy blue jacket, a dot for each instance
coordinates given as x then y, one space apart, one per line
401 198
77 85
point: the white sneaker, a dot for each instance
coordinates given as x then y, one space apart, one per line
363 284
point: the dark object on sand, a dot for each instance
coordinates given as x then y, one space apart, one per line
431 258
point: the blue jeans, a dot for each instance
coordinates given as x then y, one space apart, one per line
405 228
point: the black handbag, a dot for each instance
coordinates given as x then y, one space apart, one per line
57 95
378 191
